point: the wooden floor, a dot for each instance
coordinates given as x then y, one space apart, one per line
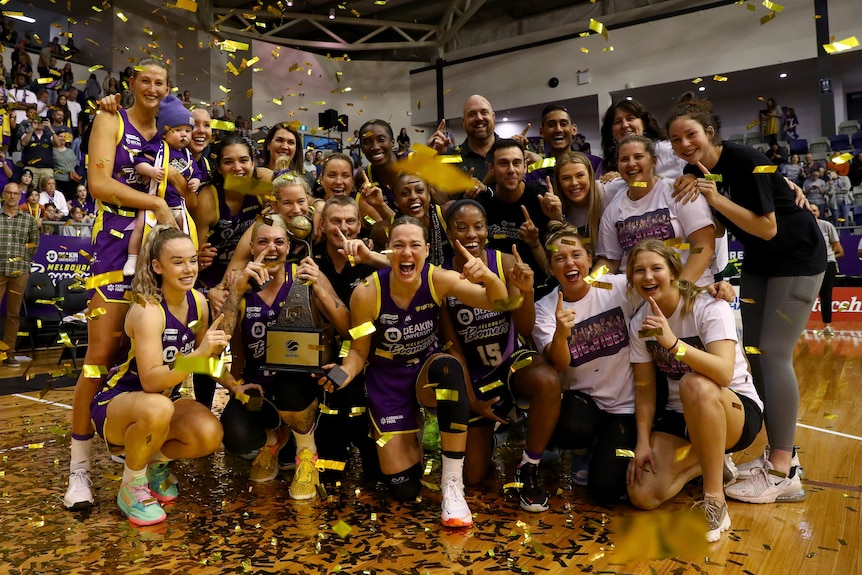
222 523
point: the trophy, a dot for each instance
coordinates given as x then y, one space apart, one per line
297 343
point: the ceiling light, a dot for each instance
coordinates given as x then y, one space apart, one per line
783 75
290 3
332 13
628 97
702 89
20 17
505 119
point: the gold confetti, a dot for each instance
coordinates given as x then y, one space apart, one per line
324 464
383 353
188 5
509 303
211 366
751 350
841 158
680 351
655 332
841 46
356 411
223 89
94 371
625 453
772 6
596 274
366 328
446 394
122 17
719 78
712 177
384 439
830 416
522 363
490 386
682 453
768 169
233 46
767 18
585 50
513 485
104 279
599 28
326 410
638 185
222 125
746 300
697 81
247 185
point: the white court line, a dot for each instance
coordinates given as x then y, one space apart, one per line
829 431
22 396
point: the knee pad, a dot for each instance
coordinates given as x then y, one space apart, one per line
405 485
447 372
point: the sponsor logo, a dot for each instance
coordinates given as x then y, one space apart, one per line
291 346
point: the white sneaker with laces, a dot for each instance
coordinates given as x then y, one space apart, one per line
730 473
717 519
79 494
456 512
746 470
768 486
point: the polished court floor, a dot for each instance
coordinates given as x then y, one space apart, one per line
223 523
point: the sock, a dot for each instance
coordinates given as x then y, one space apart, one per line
530 457
129 475
132 260
453 465
81 449
305 441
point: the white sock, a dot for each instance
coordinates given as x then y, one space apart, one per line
81 449
305 441
129 475
131 260
160 457
453 466
527 459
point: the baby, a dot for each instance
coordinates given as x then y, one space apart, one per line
155 161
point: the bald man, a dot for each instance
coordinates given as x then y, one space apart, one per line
478 121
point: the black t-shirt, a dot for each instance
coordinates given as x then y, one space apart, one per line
798 248
504 221
343 283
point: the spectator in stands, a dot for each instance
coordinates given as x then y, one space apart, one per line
62 106
22 96
811 164
43 104
793 170
855 173
403 140
83 200
308 164
67 78
26 182
770 119
65 164
45 55
814 189
109 85
187 98
22 64
51 195
51 214
32 206
776 154
77 225
19 238
71 49
92 90
6 170
36 154
840 194
74 108
10 36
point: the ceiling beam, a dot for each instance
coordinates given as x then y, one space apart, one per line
470 9
337 46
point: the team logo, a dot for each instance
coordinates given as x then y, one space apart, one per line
51 256
465 316
169 354
392 335
291 345
258 329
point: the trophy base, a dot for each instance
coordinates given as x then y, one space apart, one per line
299 349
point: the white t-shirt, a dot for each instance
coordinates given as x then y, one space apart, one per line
709 320
74 110
599 344
668 164
21 96
626 222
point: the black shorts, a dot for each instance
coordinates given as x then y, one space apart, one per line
499 384
673 422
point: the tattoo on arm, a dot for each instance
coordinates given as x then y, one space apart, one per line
229 310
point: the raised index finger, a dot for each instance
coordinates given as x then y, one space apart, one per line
655 309
703 169
550 186
516 254
526 129
260 257
526 214
442 125
560 301
467 255
215 324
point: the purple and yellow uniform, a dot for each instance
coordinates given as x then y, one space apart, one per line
403 340
257 317
114 223
161 155
177 338
488 340
225 234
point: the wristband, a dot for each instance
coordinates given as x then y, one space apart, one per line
673 346
680 352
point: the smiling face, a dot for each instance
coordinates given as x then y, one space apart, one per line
626 124
273 241
202 134
291 200
575 183
410 252
557 131
468 226
149 85
337 178
376 145
177 263
690 140
235 159
412 197
570 263
508 167
344 219
650 275
283 143
635 163
478 118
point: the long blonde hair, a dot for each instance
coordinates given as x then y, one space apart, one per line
284 176
595 208
687 289
147 284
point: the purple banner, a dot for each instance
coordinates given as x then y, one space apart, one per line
849 265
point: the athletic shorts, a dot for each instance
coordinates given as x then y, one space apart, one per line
110 250
499 384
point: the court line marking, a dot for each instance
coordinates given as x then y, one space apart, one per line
22 396
829 431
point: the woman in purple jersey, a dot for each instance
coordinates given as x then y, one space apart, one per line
396 313
134 412
114 139
501 369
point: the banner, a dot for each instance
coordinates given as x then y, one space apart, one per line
60 257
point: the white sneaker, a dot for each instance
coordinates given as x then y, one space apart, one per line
768 486
746 470
730 473
79 494
717 519
827 332
456 512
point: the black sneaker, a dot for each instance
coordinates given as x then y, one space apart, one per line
531 495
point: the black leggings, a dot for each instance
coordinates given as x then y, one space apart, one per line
826 291
583 425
